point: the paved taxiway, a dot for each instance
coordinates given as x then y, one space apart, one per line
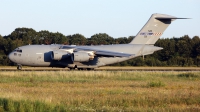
106 68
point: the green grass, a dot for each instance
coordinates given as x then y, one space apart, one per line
10 105
99 91
155 84
188 75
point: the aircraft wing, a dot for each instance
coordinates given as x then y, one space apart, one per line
99 52
110 53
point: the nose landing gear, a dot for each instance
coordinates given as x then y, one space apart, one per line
19 67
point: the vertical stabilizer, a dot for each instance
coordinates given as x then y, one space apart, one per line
153 29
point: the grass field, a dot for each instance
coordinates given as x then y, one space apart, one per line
36 91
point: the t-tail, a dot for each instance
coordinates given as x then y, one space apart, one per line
153 29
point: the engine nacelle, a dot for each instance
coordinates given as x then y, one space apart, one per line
82 56
59 55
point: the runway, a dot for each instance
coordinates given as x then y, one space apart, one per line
106 68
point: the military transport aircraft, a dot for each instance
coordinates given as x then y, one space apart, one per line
90 57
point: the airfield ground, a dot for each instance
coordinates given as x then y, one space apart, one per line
105 68
99 91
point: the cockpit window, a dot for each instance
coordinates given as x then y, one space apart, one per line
18 50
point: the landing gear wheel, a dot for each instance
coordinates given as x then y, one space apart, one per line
90 69
19 67
80 68
72 68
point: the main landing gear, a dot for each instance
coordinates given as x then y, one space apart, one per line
19 67
85 69
82 69
73 67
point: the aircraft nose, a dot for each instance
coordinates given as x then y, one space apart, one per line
10 56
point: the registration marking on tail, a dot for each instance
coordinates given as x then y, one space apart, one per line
158 34
150 33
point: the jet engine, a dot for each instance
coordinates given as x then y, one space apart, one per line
82 56
59 55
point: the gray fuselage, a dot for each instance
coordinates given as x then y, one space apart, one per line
41 55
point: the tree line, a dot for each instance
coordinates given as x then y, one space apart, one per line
181 51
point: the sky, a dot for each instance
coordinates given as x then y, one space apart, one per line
117 18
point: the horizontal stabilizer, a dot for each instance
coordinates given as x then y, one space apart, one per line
159 18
